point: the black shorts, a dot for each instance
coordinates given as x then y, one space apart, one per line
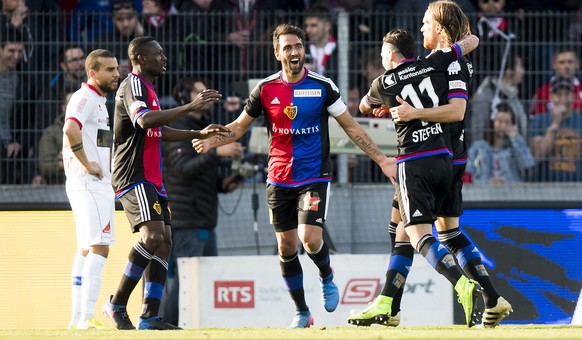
289 207
422 186
453 205
142 203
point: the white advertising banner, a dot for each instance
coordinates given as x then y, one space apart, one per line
248 291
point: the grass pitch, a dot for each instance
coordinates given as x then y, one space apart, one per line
360 333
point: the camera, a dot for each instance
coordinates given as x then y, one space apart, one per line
243 168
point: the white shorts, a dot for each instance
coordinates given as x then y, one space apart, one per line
94 212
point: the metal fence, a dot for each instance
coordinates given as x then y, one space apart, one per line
199 46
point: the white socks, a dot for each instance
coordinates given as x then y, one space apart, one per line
91 285
77 280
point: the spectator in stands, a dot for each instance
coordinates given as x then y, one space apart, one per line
321 44
72 74
503 156
126 26
555 136
11 51
193 182
15 15
489 94
566 64
50 149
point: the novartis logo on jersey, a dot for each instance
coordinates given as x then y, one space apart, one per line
291 131
156 133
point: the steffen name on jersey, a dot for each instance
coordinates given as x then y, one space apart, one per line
423 134
410 72
291 131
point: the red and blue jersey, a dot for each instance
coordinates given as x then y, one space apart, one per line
137 153
297 120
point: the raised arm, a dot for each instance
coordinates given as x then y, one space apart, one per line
468 44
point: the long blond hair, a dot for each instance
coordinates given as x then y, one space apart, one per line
452 18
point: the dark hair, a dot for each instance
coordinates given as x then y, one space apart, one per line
505 107
122 4
10 35
69 47
283 29
137 47
318 11
182 90
92 60
402 40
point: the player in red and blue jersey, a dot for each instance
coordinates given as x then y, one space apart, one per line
297 104
139 129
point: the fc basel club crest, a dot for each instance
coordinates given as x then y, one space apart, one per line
157 208
291 111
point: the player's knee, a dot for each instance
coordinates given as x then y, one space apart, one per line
153 241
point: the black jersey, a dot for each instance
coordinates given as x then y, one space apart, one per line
423 84
459 74
136 152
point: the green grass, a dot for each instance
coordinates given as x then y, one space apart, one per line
359 333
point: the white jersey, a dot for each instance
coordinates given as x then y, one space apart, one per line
87 108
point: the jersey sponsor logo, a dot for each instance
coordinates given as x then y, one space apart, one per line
275 101
360 291
107 229
457 84
423 134
234 294
411 72
311 201
291 111
136 105
389 80
158 208
155 133
307 93
454 68
291 131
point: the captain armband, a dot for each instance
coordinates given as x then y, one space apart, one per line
77 147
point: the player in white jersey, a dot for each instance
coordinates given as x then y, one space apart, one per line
87 140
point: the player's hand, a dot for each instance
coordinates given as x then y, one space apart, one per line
213 130
381 111
94 169
389 168
204 98
403 112
201 146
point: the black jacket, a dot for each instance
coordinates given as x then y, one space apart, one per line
191 180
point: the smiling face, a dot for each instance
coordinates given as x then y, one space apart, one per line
291 54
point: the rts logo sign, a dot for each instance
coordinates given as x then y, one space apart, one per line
234 294
360 291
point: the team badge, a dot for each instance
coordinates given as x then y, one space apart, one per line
158 208
311 201
291 111
389 80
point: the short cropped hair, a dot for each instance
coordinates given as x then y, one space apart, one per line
137 46
402 40
92 60
287 29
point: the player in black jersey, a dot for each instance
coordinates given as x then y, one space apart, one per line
458 76
139 129
424 166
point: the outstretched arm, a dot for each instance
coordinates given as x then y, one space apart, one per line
237 128
359 136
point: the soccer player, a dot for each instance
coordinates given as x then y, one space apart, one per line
87 141
440 29
297 104
139 129
424 165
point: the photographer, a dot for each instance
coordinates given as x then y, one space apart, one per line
193 182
